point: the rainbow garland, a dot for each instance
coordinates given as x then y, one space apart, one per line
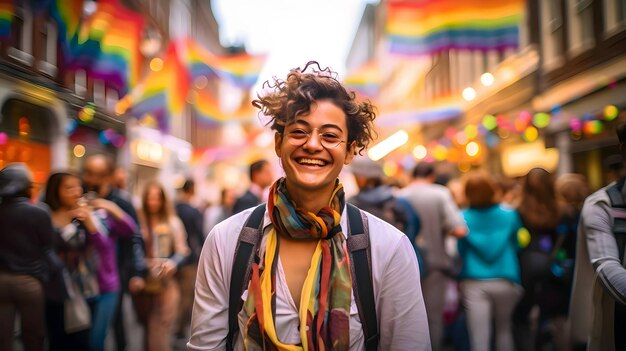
423 27
6 15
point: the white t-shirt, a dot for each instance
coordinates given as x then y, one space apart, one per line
397 291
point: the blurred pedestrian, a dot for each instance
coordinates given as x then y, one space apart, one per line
261 177
86 230
97 177
598 307
25 241
439 217
166 249
374 196
378 199
214 214
540 217
571 191
509 191
192 220
300 290
490 277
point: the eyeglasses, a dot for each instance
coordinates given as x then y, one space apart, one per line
299 137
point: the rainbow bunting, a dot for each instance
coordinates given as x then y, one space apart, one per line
107 45
423 27
365 80
6 16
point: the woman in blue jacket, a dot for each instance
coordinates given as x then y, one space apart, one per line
490 275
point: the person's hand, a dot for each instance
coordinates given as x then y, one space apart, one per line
168 268
459 232
83 214
102 203
136 284
108 206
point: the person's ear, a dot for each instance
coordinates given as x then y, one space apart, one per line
350 152
278 140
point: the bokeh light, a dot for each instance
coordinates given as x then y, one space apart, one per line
490 122
541 119
472 149
420 152
79 151
610 112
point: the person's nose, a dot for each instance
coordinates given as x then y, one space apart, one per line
314 142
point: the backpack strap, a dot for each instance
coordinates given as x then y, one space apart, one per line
618 208
358 244
247 243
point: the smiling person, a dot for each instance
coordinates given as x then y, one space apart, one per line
299 292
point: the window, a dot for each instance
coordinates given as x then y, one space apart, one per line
80 83
552 38
581 36
99 92
21 36
49 37
615 16
112 98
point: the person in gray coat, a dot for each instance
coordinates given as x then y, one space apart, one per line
598 305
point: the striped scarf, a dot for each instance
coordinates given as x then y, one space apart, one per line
326 294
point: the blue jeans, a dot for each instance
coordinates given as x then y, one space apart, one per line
102 312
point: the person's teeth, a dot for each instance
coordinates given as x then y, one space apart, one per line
311 161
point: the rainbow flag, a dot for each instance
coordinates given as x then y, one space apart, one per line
162 93
207 108
423 27
365 80
6 16
67 15
240 70
107 45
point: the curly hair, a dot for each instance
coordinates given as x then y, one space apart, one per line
293 97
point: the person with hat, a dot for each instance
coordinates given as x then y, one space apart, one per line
25 241
600 271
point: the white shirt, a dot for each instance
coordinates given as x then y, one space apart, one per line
397 291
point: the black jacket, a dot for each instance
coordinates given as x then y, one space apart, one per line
247 200
25 229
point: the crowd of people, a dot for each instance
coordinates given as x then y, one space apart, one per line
471 263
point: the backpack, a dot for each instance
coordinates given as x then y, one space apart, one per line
358 244
618 208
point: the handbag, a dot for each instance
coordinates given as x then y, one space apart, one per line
76 313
